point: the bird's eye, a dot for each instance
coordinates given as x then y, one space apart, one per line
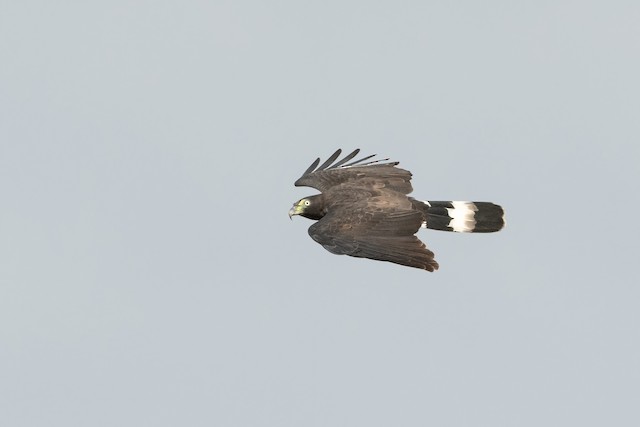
307 203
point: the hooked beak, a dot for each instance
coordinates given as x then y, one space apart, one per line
295 210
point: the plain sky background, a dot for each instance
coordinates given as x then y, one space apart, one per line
150 276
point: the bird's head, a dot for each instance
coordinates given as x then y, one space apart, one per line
311 207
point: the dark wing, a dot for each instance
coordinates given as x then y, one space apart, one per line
373 173
376 228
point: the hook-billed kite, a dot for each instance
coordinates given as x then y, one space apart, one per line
364 211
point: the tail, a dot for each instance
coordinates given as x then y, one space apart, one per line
462 217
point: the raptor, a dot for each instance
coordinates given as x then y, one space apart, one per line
364 211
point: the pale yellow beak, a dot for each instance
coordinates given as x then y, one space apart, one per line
295 210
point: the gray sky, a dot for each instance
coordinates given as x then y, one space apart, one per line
149 274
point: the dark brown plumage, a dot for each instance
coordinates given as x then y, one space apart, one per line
364 211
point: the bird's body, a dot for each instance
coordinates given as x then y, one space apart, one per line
364 211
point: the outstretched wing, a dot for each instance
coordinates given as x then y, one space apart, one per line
363 172
375 228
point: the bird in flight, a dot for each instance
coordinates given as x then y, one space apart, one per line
364 211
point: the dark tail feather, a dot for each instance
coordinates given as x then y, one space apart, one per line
462 217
